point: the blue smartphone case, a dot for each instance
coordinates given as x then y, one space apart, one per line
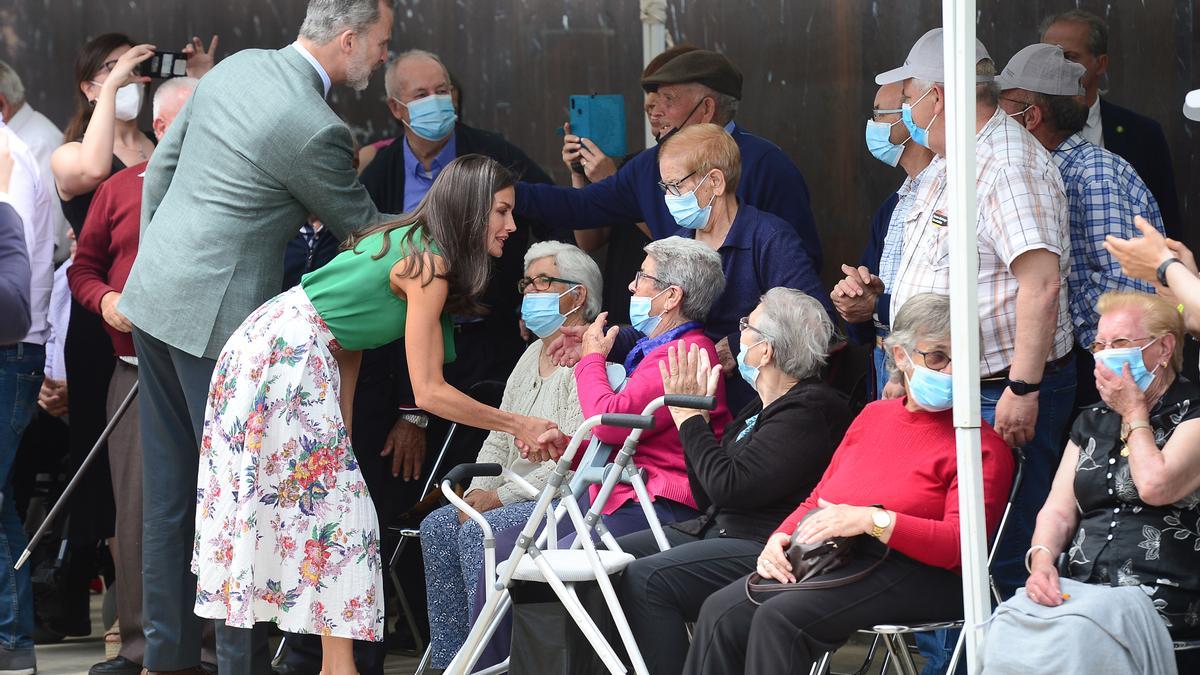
600 118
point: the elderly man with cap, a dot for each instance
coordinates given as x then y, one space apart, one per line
693 88
1028 374
1041 89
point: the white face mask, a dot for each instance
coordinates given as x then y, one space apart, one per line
129 101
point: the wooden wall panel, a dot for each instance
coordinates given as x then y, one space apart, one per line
809 67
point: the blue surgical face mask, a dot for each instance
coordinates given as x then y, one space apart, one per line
540 312
931 389
685 208
919 135
431 117
748 372
1115 359
879 142
639 312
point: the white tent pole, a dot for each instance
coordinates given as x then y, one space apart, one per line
958 21
654 42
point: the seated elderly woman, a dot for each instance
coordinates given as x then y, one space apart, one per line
1125 504
561 286
894 479
700 167
768 461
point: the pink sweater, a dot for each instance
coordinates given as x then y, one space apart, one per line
659 451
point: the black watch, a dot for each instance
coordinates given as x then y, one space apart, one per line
1161 272
1021 388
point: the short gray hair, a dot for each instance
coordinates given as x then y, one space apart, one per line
986 91
172 87
924 317
693 267
1097 40
408 54
11 86
326 19
799 330
726 105
575 265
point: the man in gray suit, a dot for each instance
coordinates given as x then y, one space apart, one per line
253 152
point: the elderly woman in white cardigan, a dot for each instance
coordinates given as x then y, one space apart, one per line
561 287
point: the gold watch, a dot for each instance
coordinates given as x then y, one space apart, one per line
880 521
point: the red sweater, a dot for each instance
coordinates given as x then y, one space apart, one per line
906 461
659 451
107 245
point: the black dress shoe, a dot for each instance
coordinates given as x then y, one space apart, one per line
117 666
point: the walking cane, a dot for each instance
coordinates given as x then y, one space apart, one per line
87 461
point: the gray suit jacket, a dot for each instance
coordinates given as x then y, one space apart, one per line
251 154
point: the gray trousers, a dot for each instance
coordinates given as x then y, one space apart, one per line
173 390
125 464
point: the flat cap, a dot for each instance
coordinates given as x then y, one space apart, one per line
705 67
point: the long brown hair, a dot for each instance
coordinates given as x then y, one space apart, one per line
453 216
87 64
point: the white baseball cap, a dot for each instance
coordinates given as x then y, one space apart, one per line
925 61
1043 69
1191 105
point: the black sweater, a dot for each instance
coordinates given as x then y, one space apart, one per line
746 486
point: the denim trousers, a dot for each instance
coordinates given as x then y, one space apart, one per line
20 379
1056 400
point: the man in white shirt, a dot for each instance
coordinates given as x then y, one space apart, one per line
21 366
42 137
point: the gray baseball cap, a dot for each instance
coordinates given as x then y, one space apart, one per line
1043 69
1191 105
925 61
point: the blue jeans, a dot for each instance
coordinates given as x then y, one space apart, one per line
1056 399
20 379
881 372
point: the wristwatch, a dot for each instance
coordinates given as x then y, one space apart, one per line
1020 387
419 421
1161 272
880 521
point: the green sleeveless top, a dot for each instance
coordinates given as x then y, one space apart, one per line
353 294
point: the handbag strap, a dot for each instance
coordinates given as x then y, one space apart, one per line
753 585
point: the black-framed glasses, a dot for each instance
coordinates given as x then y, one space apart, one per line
1117 343
935 359
637 279
744 325
541 283
672 188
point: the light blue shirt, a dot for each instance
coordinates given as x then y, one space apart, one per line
315 64
893 242
416 179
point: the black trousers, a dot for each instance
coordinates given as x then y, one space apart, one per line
663 591
791 630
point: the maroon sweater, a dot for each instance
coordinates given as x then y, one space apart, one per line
107 245
906 462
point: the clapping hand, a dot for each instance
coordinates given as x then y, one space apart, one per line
688 370
596 340
565 350
1140 257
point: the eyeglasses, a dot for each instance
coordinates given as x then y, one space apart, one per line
672 188
541 283
876 113
744 325
935 359
637 279
1117 343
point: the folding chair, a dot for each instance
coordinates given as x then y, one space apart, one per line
562 569
898 652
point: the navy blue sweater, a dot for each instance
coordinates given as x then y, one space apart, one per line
864 333
770 182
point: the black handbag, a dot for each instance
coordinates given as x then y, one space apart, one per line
813 560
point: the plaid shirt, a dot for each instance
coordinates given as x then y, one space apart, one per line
1021 207
893 241
1104 193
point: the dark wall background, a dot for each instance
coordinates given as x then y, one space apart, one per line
809 68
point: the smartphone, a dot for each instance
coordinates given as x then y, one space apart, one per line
165 65
600 118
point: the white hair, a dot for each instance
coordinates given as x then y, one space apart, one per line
176 86
575 265
692 266
11 86
798 328
394 66
925 317
326 19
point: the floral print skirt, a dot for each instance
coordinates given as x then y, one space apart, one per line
285 529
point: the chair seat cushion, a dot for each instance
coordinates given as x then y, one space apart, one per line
569 565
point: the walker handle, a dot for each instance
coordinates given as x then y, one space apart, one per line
690 401
627 420
462 473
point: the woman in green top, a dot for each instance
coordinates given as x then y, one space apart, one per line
285 530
